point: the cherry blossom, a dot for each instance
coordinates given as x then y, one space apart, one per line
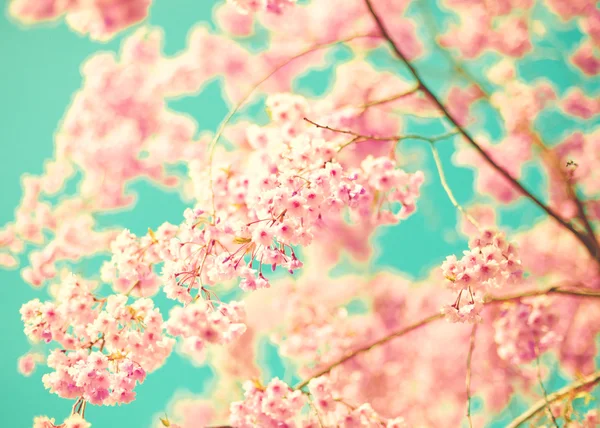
297 201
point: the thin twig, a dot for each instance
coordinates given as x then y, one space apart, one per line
375 344
433 30
359 138
391 98
586 382
384 32
438 164
468 379
312 404
541 382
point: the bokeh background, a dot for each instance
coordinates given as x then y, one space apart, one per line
39 73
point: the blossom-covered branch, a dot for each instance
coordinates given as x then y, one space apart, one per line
434 317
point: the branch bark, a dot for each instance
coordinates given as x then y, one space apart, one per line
587 381
386 35
581 292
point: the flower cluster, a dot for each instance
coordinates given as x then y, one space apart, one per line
491 262
525 330
339 413
200 322
27 363
253 6
277 404
268 406
130 268
100 18
285 192
314 332
107 344
390 185
73 421
97 378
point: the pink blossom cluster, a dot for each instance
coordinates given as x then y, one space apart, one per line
391 185
73 421
276 404
577 104
118 129
101 19
502 27
337 412
412 362
587 17
578 154
490 263
201 322
268 406
131 266
100 379
284 193
252 6
526 329
27 363
312 331
187 412
107 345
488 27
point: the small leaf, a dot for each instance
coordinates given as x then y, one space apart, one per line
240 240
152 236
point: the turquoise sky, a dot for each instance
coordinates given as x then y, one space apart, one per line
38 76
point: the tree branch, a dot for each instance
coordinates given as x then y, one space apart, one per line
437 316
386 35
587 381
581 292
553 159
360 137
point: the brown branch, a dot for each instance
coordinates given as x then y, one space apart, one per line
358 138
581 292
587 381
386 35
437 316
433 30
391 98
544 391
381 341
553 159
